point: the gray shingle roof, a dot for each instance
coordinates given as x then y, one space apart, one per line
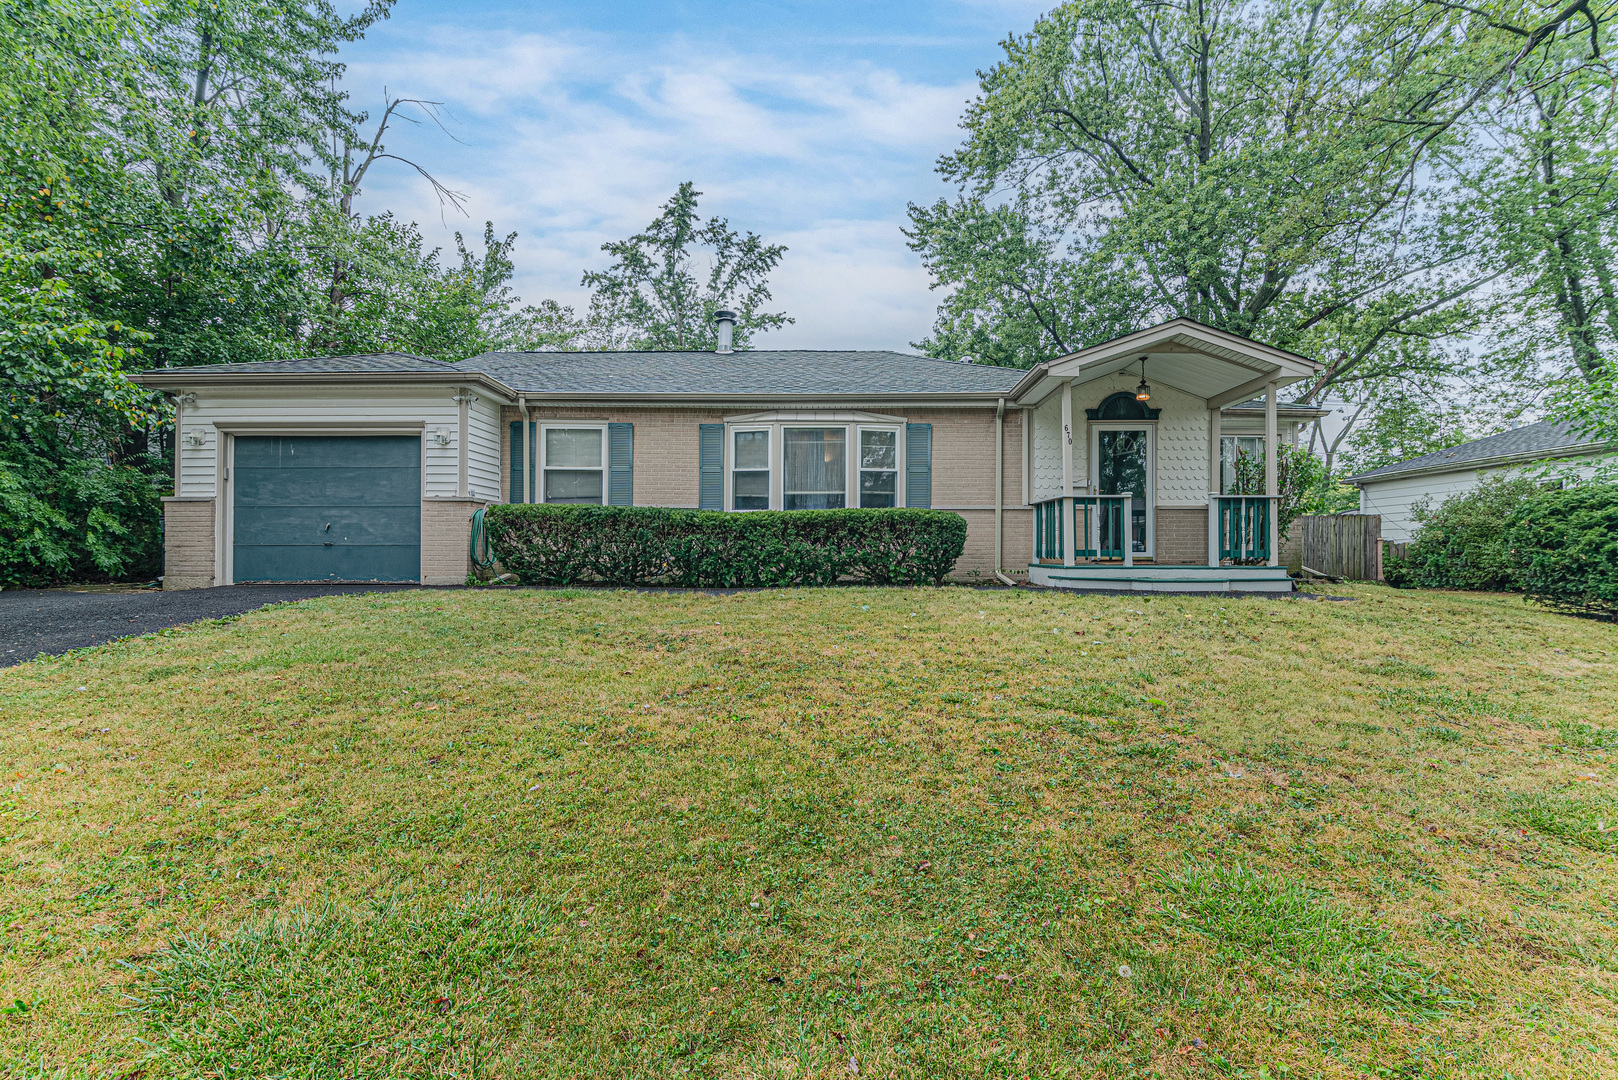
755 371
1535 439
367 363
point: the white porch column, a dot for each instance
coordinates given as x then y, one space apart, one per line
1069 545
1272 471
1215 469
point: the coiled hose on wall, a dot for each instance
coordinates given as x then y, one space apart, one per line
480 542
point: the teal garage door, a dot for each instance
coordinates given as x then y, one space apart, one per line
327 508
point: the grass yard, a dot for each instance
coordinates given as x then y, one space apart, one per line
919 833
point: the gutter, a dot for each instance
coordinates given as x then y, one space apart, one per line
187 378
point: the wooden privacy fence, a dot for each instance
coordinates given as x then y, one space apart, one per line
1339 545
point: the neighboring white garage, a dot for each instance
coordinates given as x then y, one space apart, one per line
1393 491
314 470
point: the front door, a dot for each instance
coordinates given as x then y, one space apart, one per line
1123 465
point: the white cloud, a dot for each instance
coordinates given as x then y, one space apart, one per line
573 140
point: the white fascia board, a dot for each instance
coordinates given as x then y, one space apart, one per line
189 379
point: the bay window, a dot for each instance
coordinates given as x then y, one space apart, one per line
750 470
879 468
815 464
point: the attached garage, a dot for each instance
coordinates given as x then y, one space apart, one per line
327 508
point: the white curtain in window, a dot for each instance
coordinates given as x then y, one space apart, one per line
573 448
816 468
750 471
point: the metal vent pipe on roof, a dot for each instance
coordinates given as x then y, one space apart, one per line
726 321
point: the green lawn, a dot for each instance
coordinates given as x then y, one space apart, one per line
930 833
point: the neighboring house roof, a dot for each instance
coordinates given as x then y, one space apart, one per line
1530 443
754 371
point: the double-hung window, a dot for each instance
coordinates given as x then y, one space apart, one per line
750 470
879 468
572 463
1231 449
816 468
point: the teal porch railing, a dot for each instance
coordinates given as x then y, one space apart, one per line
1049 542
1241 530
1100 525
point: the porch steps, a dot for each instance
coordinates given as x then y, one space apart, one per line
1150 578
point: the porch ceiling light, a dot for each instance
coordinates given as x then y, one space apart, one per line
1143 392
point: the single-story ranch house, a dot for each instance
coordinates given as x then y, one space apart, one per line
1106 468
1394 491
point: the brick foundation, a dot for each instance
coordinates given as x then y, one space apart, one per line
1182 535
446 534
188 543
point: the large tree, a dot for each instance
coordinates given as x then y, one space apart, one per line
1333 177
665 283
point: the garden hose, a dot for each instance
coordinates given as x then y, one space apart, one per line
480 539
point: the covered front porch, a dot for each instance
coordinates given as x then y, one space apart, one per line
1130 466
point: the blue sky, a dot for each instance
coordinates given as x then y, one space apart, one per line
812 124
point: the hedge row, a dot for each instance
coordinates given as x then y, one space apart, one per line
1560 546
638 545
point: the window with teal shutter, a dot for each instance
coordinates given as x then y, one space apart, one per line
710 466
620 464
919 465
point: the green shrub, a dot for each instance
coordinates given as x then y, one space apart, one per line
636 545
1461 545
75 519
1564 547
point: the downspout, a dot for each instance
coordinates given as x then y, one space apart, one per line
179 416
1000 491
527 481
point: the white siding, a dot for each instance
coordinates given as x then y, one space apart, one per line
1047 463
431 408
1394 497
1182 437
483 464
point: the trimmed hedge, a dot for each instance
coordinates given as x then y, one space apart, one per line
545 544
1564 545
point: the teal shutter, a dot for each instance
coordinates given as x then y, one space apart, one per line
919 465
518 495
620 464
710 466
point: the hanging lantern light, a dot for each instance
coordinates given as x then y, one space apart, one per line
1143 392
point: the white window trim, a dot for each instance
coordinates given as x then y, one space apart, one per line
898 433
573 426
731 431
1150 427
852 425
1230 435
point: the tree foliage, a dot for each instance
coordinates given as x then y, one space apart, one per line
1372 184
665 283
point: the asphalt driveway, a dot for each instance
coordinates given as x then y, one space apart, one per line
36 622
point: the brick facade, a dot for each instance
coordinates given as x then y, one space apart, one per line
963 466
188 543
1182 535
446 535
